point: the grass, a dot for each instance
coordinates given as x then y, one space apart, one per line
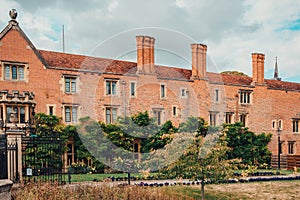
258 190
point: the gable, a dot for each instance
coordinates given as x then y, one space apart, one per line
15 46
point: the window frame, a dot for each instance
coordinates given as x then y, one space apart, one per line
20 115
163 91
73 80
183 92
132 91
111 91
243 119
71 112
14 75
245 97
112 118
291 147
213 118
295 125
230 114
158 116
217 95
174 111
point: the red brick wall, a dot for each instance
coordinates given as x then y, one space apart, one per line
47 84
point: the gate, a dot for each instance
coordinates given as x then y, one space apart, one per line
9 159
42 158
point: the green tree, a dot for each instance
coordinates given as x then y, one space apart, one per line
246 145
205 160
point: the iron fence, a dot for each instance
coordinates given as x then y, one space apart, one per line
42 158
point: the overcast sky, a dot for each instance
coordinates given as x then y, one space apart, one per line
232 30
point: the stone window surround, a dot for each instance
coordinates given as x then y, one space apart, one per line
26 71
71 76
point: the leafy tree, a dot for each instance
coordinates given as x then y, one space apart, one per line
246 145
205 160
234 73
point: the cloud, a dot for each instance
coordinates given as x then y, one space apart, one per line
231 29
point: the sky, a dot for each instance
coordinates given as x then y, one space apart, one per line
232 30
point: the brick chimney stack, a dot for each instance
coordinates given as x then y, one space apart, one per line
198 61
258 67
145 54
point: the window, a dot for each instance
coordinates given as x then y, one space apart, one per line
277 124
70 84
15 111
273 124
157 116
228 117
174 110
71 114
291 147
132 89
216 95
243 119
110 115
14 72
162 91
296 125
50 110
111 87
183 92
213 118
245 96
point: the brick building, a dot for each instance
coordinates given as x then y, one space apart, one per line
74 86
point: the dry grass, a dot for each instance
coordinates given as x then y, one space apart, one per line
260 190
89 191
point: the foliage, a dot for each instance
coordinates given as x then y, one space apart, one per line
44 149
205 160
47 124
246 145
237 73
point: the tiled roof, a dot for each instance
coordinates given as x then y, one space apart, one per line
282 85
104 65
80 62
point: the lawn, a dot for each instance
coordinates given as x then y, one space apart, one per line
100 177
